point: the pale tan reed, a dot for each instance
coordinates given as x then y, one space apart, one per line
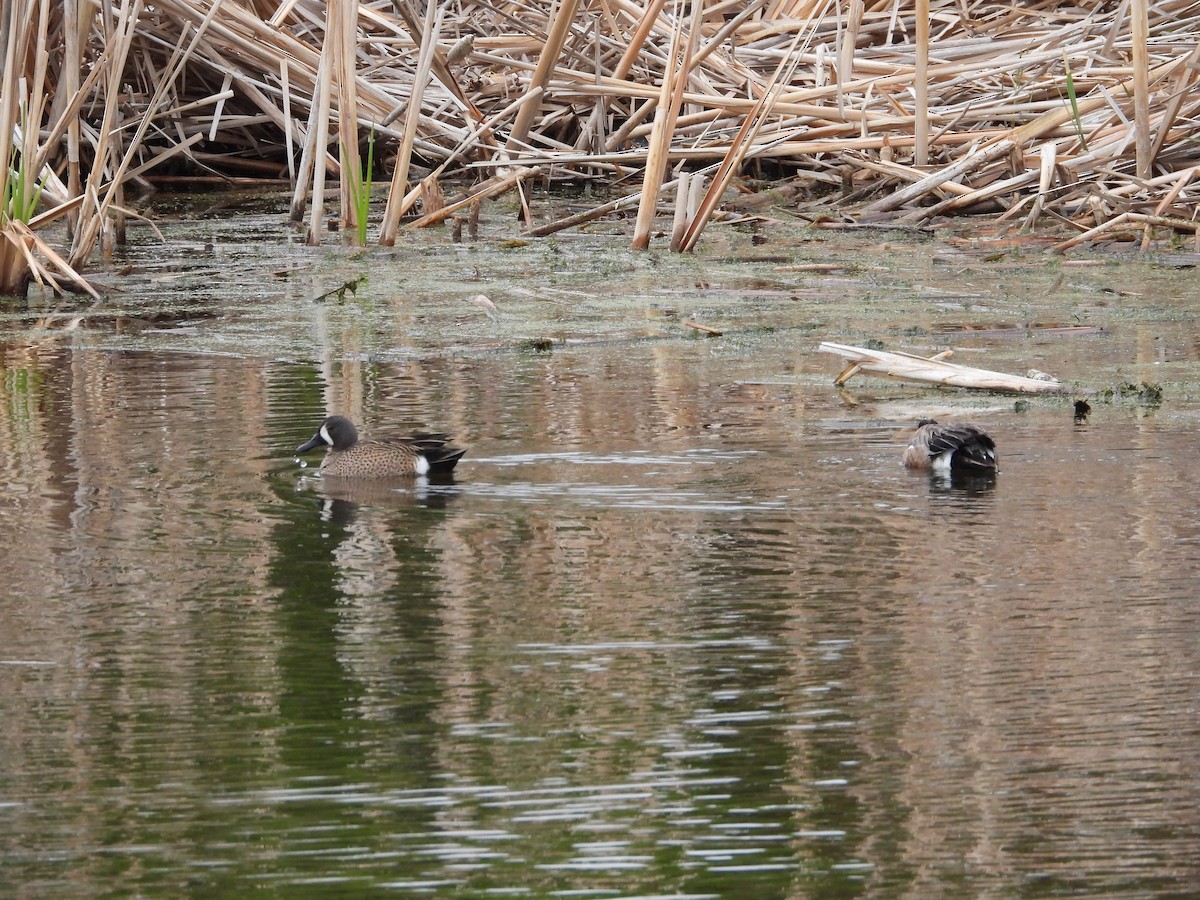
918 108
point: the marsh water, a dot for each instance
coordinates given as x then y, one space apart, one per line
682 625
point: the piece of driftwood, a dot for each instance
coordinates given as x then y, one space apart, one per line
705 329
909 367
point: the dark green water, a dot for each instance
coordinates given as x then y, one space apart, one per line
681 627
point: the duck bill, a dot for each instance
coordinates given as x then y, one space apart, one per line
315 441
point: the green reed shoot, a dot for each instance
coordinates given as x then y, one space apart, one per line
19 201
1071 98
360 188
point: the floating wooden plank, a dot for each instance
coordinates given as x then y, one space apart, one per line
934 370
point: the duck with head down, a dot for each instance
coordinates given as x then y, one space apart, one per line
951 449
400 457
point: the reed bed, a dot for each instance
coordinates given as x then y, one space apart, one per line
903 111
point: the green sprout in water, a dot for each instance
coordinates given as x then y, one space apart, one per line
19 203
360 188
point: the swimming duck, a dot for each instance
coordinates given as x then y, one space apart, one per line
421 454
946 449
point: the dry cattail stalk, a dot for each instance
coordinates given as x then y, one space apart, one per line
966 96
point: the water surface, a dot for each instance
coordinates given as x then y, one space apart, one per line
682 626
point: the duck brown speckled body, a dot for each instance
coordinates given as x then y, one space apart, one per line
951 449
409 457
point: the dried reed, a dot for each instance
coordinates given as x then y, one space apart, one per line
920 108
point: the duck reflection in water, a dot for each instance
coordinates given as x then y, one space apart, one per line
342 508
339 500
959 483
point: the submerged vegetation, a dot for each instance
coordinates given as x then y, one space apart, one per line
900 111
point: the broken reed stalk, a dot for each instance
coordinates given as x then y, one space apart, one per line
631 55
13 271
682 192
288 131
508 179
416 193
675 77
739 148
921 87
95 217
312 152
318 132
1176 96
1000 147
25 177
73 61
36 100
21 178
847 44
547 60
350 163
395 207
58 264
584 217
1147 222
441 70
1048 156
1140 20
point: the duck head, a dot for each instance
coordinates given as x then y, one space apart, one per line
337 432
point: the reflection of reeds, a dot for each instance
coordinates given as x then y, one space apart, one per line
920 107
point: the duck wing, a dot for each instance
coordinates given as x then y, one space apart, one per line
434 446
969 445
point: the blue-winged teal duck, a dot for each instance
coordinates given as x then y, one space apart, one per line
348 457
951 449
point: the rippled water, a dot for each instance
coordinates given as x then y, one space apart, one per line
681 627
